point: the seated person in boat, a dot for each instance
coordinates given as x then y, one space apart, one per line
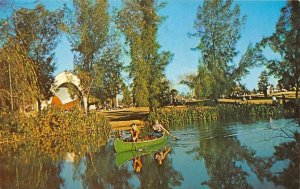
158 129
137 164
134 132
161 156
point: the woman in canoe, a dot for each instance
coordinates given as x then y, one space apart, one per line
134 132
159 129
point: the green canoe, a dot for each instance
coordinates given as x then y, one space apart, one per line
121 146
123 157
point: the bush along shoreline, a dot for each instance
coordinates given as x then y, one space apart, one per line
171 116
52 122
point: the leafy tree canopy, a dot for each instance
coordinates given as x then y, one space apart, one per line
286 42
218 26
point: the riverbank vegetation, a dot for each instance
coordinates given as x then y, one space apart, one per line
233 112
52 122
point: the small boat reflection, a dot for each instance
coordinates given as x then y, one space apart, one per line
159 157
122 157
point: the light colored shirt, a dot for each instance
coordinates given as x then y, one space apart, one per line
158 127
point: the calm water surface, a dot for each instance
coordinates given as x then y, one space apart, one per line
211 155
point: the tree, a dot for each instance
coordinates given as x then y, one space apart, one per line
286 42
4 85
203 85
109 82
126 96
173 95
157 78
87 27
164 97
15 91
31 38
190 80
199 83
263 82
218 25
139 21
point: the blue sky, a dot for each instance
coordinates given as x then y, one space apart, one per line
262 17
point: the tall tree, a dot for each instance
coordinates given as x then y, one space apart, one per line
139 22
286 42
30 43
199 83
218 25
203 84
16 87
190 80
126 96
87 28
263 81
4 85
165 94
109 82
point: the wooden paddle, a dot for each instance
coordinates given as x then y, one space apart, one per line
175 137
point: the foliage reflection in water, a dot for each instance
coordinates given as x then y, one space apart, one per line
210 155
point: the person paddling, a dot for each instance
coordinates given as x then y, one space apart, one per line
158 129
134 132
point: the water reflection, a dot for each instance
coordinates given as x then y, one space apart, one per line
223 159
154 175
102 173
39 163
29 169
161 155
289 177
230 164
211 155
137 164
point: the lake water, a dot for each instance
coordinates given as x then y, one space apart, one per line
208 155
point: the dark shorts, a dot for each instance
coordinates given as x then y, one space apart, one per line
157 134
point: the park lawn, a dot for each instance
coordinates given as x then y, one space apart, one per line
260 99
255 101
121 119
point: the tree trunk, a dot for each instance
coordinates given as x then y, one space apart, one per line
39 107
116 99
87 104
297 88
10 89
